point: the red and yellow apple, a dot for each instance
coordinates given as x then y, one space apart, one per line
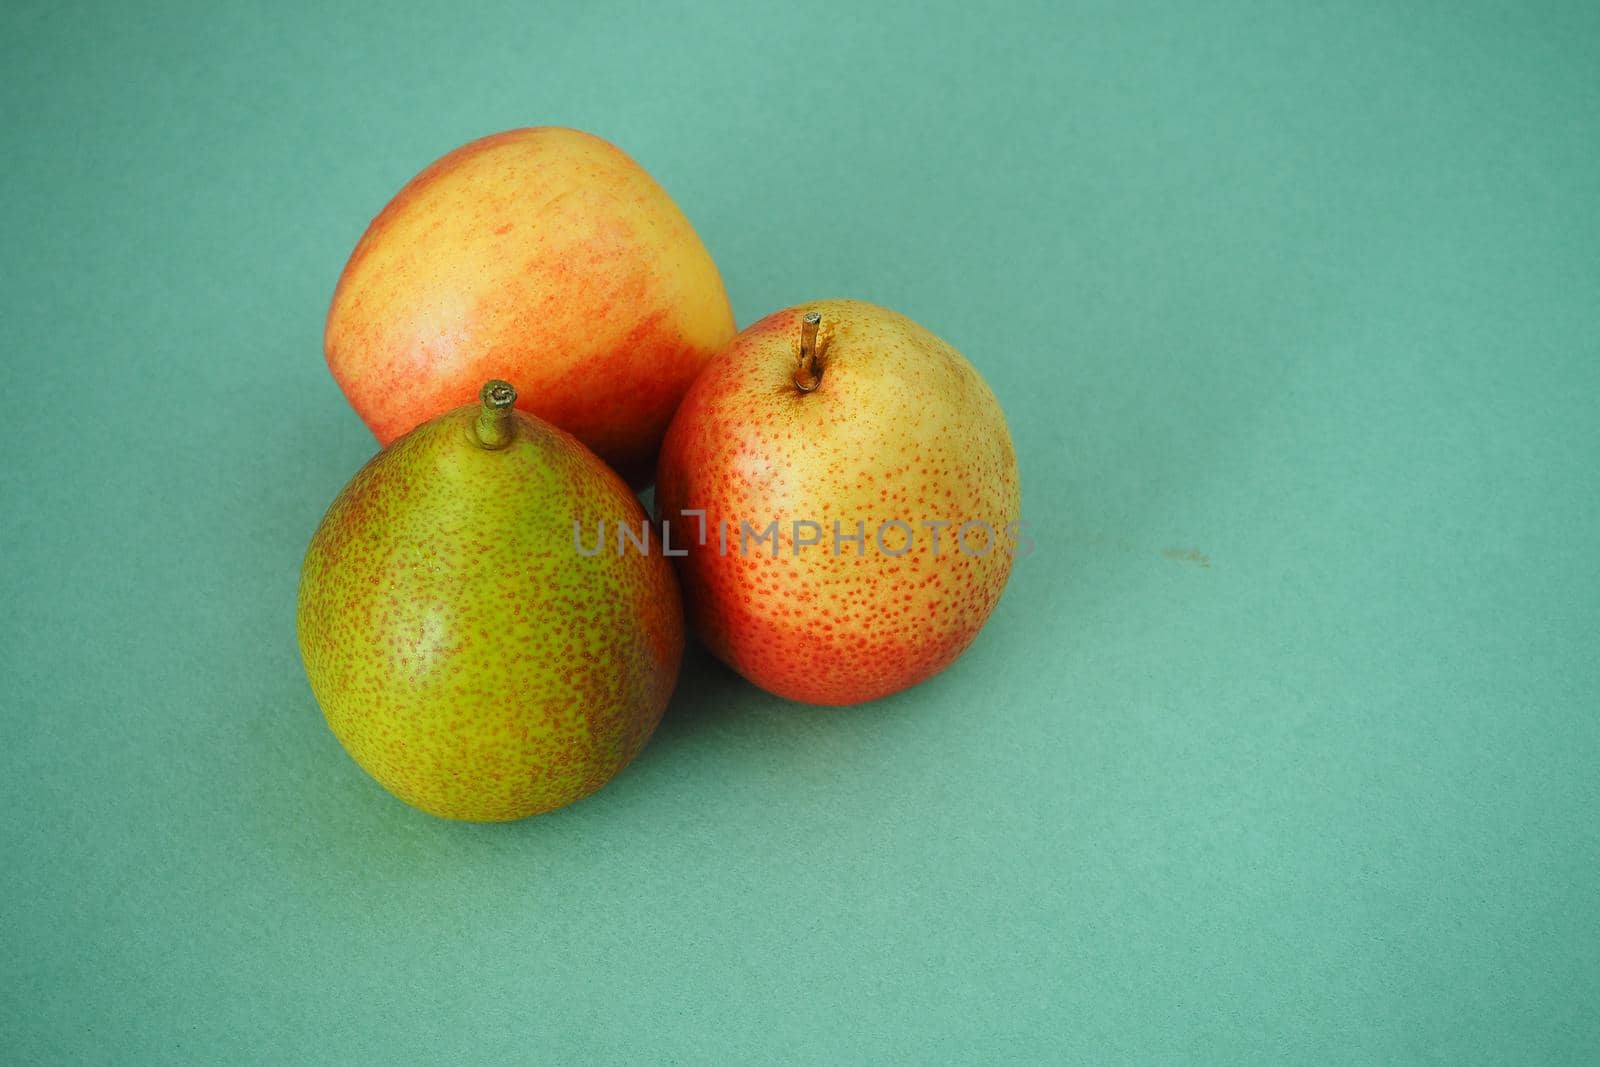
883 459
543 256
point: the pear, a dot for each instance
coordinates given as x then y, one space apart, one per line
463 650
846 491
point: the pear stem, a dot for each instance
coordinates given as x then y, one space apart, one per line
808 372
496 424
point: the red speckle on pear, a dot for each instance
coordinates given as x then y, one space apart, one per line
899 428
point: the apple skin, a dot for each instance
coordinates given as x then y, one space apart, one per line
900 427
542 256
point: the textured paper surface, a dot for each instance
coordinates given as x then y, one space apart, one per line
1281 747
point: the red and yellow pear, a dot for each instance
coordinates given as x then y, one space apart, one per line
883 459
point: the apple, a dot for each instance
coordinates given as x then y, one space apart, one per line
543 256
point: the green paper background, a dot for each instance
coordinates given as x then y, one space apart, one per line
1283 746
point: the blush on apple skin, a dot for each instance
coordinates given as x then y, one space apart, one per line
898 427
543 256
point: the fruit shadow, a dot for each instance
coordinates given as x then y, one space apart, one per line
709 696
717 716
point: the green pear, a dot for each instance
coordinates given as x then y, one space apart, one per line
464 648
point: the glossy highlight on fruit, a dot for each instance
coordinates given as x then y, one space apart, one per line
462 651
543 256
850 417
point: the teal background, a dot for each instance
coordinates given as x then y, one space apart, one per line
1282 747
